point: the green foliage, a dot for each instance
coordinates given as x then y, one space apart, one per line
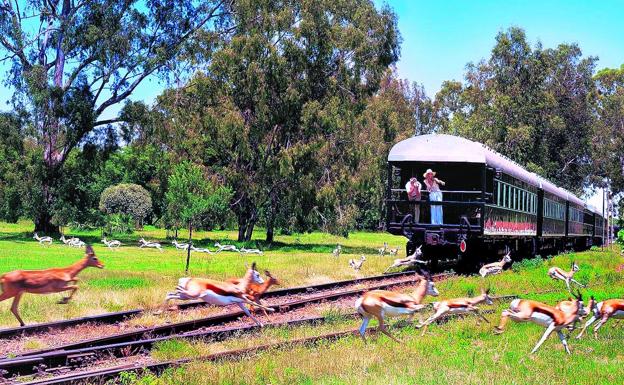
126 199
528 264
620 237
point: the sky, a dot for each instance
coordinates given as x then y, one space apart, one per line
441 37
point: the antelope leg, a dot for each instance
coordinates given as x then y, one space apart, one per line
587 324
547 333
244 309
16 300
563 341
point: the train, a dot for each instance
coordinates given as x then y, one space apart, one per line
490 205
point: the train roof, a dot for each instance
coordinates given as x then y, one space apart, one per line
451 148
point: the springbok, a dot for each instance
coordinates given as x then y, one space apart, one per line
408 261
394 252
356 264
76 242
66 242
219 293
256 291
16 283
383 303
557 273
383 249
221 247
201 250
42 240
611 308
458 306
250 251
143 243
180 246
495 267
553 318
112 244
337 251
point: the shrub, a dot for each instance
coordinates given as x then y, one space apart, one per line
126 199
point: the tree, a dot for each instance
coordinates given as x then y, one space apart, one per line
82 57
127 199
12 156
192 199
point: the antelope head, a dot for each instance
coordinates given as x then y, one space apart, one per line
486 296
254 275
575 267
272 279
92 259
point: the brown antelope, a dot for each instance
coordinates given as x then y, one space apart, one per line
408 261
383 303
55 280
566 276
458 306
554 319
611 308
256 291
219 293
496 267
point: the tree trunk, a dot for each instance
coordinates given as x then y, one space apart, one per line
250 225
188 250
269 232
43 216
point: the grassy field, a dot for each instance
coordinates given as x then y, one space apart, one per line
139 278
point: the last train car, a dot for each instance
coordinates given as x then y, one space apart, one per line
489 203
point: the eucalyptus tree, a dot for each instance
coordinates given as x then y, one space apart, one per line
73 60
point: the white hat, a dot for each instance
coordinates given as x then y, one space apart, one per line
429 171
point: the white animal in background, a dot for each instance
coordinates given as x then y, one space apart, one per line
201 250
143 243
250 251
394 252
495 267
112 244
409 260
566 276
225 247
76 242
42 240
180 246
356 264
337 251
66 242
383 250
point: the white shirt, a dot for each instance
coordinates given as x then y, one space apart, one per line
413 190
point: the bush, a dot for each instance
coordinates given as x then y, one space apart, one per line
126 199
620 237
527 264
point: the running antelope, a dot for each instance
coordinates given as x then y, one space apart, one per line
256 291
66 242
76 242
356 264
458 306
201 250
394 252
554 319
567 277
221 247
410 260
611 308
337 251
496 267
43 239
143 243
383 303
220 293
383 249
16 283
112 244
180 246
250 251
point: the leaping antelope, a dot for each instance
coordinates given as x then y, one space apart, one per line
495 267
76 242
611 308
557 273
554 319
180 246
221 247
383 303
66 242
356 264
201 250
408 261
383 249
458 306
394 252
256 291
337 251
42 240
250 251
220 293
112 244
143 243
15 283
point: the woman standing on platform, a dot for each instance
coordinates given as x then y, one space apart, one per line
435 195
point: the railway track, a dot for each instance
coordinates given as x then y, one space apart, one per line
108 318
130 343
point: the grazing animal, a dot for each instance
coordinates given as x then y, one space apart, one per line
496 267
394 252
112 244
611 308
220 293
458 306
337 251
566 276
201 250
553 318
356 264
143 243
380 304
250 251
43 239
15 283
383 249
408 261
256 291
180 246
221 247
